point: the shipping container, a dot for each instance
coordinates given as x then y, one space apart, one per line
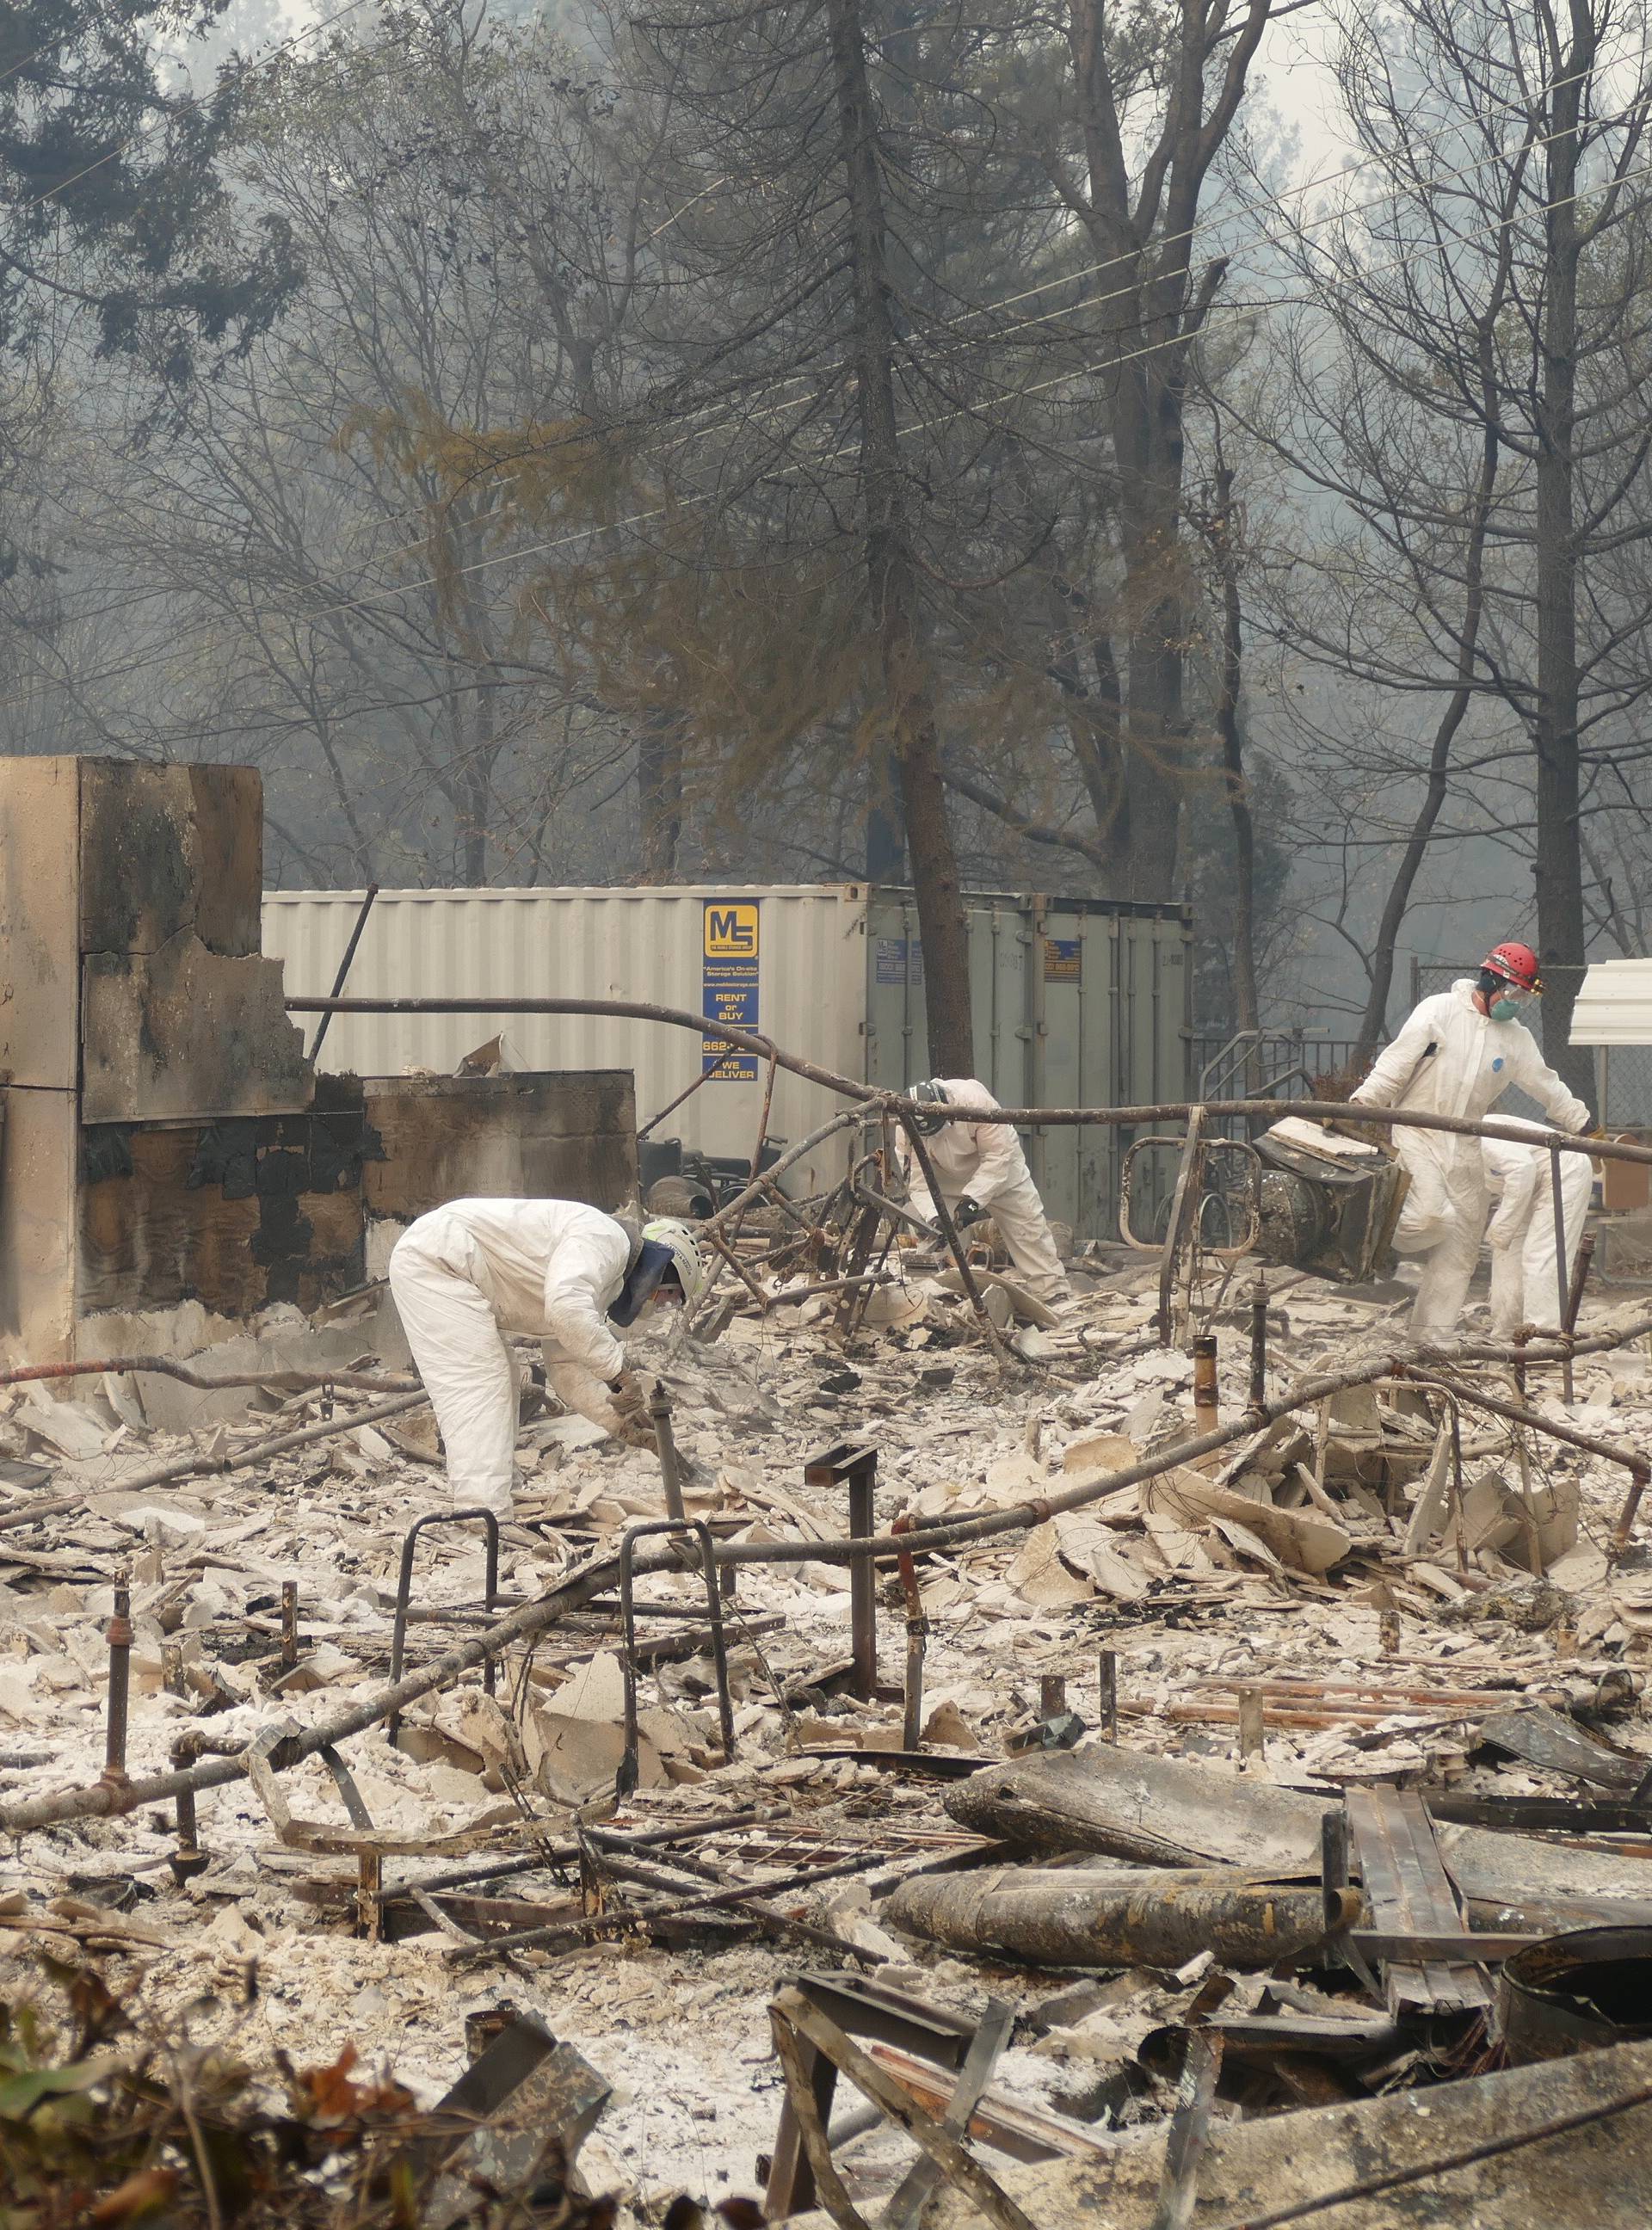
1077 1002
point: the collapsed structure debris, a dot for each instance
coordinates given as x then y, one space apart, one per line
1150 1746
819 1835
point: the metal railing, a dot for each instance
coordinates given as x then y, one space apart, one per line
1264 1064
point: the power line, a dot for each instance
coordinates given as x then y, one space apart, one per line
552 545
738 413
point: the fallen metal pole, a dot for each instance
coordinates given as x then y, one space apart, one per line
608 1923
851 1087
669 1878
635 1010
166 1366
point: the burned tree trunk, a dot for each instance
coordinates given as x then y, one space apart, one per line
1559 832
1073 1917
659 788
1246 1004
891 573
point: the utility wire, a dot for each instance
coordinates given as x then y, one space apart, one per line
1230 310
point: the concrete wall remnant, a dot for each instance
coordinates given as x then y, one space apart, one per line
129 942
165 1144
568 1137
186 1032
246 1212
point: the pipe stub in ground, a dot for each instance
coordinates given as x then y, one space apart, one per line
1576 1993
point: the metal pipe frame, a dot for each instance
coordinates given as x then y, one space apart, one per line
404 1587
629 1766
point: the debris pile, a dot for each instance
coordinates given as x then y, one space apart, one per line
1230 1741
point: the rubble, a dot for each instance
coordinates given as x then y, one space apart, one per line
1240 1641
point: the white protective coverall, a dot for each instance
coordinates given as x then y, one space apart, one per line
466 1276
1451 1059
986 1161
1524 1278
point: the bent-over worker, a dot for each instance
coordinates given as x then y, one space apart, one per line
982 1171
1456 1054
1525 1277
466 1276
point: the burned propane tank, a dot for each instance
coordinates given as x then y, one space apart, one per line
1329 1200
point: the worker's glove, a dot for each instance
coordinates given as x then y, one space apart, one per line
628 1399
966 1212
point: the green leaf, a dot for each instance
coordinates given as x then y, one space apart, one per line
20 2094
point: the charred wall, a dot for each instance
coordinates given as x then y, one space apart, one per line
245 1212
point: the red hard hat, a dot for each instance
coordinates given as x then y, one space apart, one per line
1515 963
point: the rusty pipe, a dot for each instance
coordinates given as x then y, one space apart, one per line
1258 1402
1206 1414
665 1441
120 1640
917 1644
1169 1111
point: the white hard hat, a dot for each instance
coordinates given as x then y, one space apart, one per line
679 1241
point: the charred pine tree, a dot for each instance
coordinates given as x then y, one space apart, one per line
812 303
892 599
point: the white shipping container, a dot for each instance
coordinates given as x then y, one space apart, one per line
1076 1001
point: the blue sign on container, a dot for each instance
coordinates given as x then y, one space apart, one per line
729 986
898 960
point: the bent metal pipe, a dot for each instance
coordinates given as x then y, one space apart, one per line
1169 1111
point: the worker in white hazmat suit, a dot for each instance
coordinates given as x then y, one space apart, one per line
466 1276
982 1171
1525 1277
1456 1054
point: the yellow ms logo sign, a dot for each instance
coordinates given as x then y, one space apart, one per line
731 930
